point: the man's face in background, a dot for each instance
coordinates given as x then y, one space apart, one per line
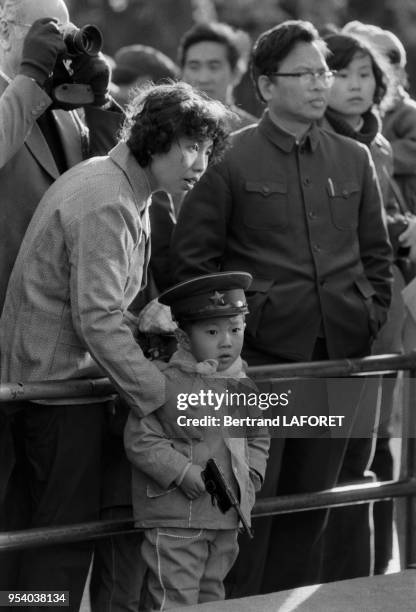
207 68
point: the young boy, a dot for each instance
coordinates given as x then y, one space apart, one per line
189 545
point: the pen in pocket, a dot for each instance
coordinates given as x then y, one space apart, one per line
331 187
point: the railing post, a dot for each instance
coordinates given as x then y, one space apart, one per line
410 434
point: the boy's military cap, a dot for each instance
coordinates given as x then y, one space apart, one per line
208 296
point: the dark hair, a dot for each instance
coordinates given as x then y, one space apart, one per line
160 114
136 61
274 45
212 32
343 48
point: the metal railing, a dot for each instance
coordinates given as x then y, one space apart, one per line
339 496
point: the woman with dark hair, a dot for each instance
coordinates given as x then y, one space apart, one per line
80 265
360 84
160 117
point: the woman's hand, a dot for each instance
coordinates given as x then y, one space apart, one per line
408 237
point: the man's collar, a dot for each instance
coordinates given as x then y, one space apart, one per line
284 140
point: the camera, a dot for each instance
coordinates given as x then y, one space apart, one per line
87 40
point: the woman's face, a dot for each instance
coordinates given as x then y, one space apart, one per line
178 170
352 93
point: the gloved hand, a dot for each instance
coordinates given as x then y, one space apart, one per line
94 71
41 47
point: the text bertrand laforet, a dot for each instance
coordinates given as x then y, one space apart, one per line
216 401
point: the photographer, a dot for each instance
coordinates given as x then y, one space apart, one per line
38 142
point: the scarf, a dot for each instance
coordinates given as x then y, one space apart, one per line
186 362
367 133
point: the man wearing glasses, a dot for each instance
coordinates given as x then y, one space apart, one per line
298 208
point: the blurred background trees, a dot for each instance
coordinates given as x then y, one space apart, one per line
161 23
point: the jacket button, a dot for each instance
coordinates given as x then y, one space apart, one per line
316 248
307 181
266 189
311 215
345 193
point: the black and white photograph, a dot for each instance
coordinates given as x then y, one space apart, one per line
208 305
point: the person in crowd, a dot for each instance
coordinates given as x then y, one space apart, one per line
398 112
136 65
82 261
299 208
189 544
212 58
360 84
398 108
39 141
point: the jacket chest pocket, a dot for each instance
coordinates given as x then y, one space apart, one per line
266 205
344 200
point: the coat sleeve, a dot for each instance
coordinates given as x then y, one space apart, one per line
101 245
149 450
21 104
375 248
199 239
258 453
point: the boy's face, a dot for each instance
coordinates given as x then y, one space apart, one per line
220 338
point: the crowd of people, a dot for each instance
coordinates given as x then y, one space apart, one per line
284 238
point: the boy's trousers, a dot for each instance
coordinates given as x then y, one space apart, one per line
186 566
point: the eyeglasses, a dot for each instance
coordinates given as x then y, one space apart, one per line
308 77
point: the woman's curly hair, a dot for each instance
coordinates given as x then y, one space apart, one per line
160 114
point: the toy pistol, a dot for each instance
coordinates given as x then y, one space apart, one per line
221 492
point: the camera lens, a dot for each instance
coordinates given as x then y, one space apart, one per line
90 40
84 41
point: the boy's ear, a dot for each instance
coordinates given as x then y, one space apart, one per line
182 339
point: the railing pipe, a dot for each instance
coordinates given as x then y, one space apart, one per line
340 496
14 392
10 392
